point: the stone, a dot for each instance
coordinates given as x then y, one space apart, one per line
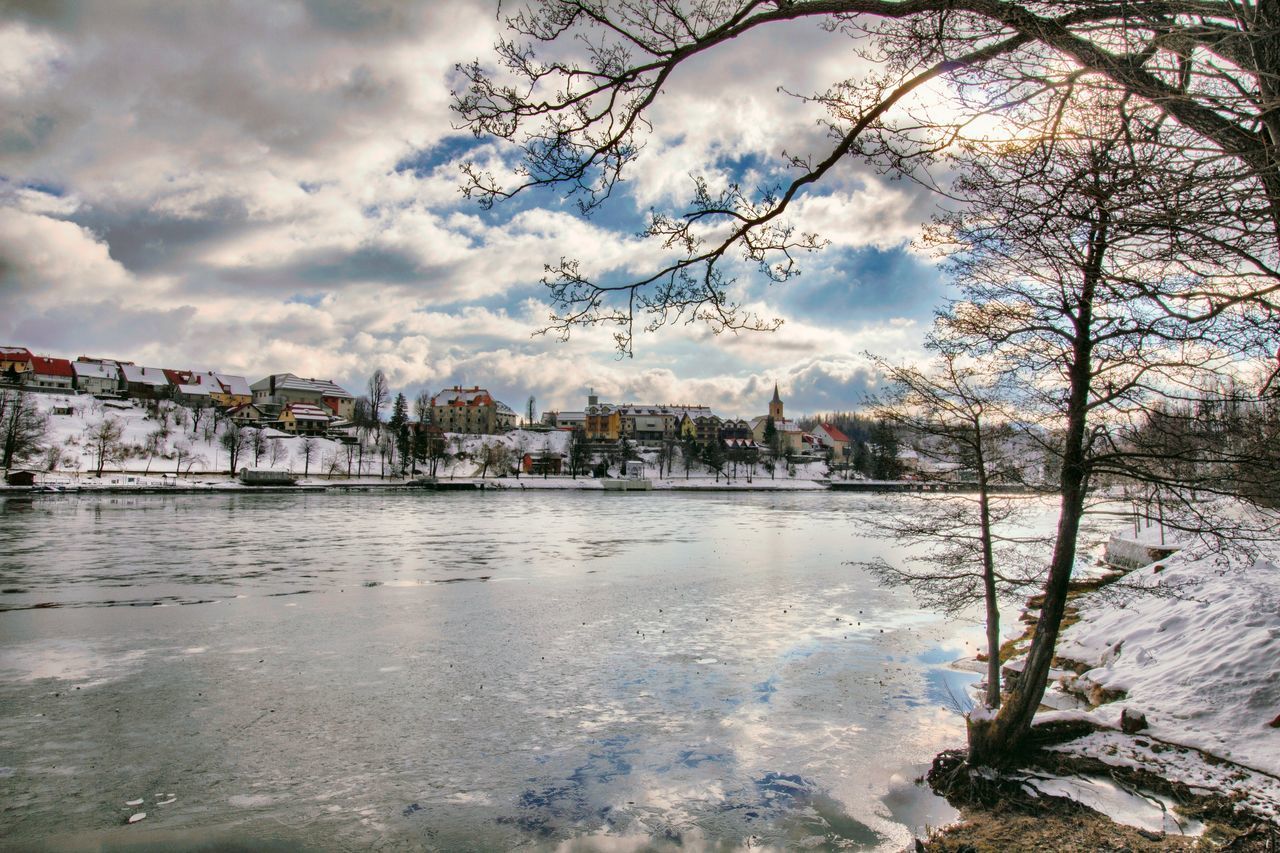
1132 722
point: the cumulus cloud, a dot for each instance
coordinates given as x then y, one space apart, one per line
260 187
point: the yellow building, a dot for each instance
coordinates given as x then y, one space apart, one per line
17 359
303 419
604 422
790 436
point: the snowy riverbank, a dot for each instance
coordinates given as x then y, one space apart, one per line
1187 644
1193 648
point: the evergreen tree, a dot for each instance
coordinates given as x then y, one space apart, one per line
713 456
771 436
885 464
399 424
577 454
688 452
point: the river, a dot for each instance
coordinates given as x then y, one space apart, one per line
464 671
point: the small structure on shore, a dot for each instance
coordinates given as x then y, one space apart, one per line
266 477
632 480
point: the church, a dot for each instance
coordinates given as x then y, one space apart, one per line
792 437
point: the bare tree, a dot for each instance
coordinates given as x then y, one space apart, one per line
197 414
498 457
519 449
22 427
307 450
155 445
1081 290
579 453
235 441
104 441
378 393
257 443
971 554
437 449
332 464
276 452
422 407
56 458
181 451
1202 75
667 454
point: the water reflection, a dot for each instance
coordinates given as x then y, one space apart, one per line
467 671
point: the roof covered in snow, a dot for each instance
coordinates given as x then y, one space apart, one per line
95 370
459 396
137 375
290 382
232 384
306 412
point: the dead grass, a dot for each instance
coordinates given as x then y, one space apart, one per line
1058 827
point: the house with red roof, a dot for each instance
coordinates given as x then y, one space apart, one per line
14 361
833 440
49 372
471 410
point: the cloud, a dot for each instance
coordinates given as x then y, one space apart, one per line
270 186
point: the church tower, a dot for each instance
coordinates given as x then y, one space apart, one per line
775 406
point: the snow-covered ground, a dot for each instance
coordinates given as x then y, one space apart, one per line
173 444
1198 653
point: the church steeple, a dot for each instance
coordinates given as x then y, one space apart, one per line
775 406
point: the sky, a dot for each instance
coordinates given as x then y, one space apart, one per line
263 187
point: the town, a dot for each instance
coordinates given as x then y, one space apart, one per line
460 431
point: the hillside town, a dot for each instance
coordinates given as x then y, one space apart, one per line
248 420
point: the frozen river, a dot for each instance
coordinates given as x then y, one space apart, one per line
464 671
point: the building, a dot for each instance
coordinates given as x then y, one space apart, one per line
192 395
833 440
246 414
147 383
224 389
48 372
14 361
234 390
281 389
649 424
506 417
96 377
472 411
603 420
738 431
304 419
565 420
790 436
545 462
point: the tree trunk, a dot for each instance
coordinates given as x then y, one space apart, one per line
989 582
998 741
